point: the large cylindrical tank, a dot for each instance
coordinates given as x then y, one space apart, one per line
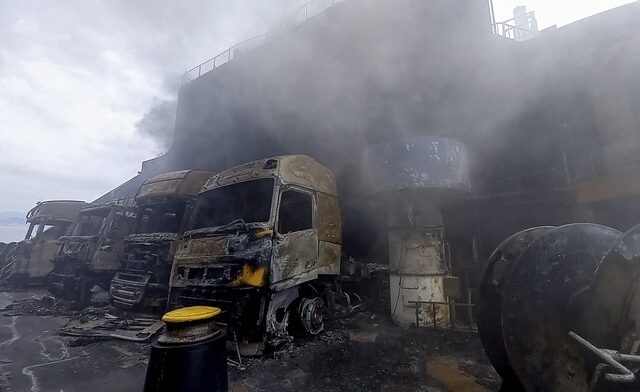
413 179
432 165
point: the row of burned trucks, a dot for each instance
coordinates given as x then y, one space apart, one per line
261 241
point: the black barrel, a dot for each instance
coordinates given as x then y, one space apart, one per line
188 357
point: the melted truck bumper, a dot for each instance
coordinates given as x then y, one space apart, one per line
128 290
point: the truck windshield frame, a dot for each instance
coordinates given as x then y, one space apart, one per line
89 225
249 201
161 218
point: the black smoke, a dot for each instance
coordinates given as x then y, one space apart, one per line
158 123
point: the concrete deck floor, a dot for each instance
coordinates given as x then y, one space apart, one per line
366 352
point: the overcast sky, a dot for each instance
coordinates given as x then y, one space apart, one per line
76 76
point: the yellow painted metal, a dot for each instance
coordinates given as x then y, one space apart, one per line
191 313
254 276
263 233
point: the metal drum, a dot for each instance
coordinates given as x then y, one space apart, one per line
191 355
489 311
544 299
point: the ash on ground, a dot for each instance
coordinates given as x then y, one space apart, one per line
362 352
367 352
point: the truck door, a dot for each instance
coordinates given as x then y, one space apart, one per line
45 247
296 242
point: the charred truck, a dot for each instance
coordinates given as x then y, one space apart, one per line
264 243
164 204
92 254
30 260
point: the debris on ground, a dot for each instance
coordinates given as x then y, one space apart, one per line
362 352
133 329
43 305
374 354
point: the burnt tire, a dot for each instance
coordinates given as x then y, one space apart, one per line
307 316
311 315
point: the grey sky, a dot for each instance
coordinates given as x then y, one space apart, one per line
76 76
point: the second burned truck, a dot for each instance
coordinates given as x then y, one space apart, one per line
164 205
91 254
264 244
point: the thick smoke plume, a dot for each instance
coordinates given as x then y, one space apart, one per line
367 72
158 123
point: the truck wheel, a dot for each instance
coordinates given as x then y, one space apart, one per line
312 315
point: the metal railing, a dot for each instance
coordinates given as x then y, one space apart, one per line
311 9
521 28
223 58
513 32
301 15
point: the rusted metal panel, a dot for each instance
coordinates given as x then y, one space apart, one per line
307 172
418 252
329 258
41 258
217 261
118 225
136 329
178 184
405 290
298 170
329 219
244 172
32 258
418 270
201 248
295 255
277 320
56 210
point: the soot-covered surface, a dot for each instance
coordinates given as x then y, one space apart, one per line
365 352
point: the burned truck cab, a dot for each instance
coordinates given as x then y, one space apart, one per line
91 255
29 261
164 205
264 239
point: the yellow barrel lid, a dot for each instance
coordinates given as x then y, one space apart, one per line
191 313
